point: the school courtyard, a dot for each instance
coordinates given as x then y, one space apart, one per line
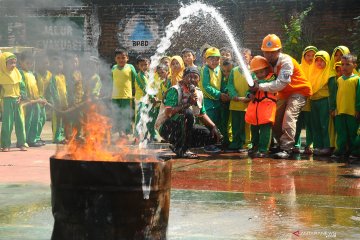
226 196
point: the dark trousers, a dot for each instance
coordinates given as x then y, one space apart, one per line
183 133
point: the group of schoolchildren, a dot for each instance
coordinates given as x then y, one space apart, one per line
245 117
36 86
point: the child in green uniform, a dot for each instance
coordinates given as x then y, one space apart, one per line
142 104
13 91
332 102
210 84
304 120
42 76
92 85
347 107
123 76
57 96
33 122
226 67
237 88
319 102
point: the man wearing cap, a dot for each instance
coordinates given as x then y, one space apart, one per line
211 87
176 121
293 89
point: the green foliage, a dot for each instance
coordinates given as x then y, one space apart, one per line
296 35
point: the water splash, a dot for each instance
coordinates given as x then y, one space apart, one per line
146 178
174 27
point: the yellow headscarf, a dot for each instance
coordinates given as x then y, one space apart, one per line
319 77
7 77
344 50
177 76
304 65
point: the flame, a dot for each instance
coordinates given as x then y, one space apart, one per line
96 144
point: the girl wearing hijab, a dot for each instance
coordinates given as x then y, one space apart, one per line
304 120
13 91
177 67
319 103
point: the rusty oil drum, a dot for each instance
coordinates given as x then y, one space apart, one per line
96 200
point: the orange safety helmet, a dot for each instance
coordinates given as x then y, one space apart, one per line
258 62
271 43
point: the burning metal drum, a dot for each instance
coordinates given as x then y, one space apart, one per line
109 200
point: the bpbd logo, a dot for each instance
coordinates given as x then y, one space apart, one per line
139 34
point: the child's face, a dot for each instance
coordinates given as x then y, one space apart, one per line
121 59
58 66
42 64
165 61
143 66
162 73
347 67
27 64
247 57
272 57
213 62
11 64
338 55
226 70
338 71
175 66
261 73
188 58
309 57
320 63
225 55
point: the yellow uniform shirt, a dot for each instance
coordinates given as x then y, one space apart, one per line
346 94
11 90
237 87
61 88
31 85
123 80
43 82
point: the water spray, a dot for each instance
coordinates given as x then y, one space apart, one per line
174 27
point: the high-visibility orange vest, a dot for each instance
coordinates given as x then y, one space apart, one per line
262 109
299 83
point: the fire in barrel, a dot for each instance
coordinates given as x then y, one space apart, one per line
98 193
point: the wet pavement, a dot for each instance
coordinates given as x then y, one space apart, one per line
227 196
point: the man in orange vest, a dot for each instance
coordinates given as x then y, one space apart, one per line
293 89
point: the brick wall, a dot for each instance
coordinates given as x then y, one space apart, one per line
326 26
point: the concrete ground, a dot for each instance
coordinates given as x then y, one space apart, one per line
226 196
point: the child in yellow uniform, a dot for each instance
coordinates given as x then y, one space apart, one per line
304 120
237 88
57 96
319 101
123 88
347 107
210 84
33 122
13 91
43 76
